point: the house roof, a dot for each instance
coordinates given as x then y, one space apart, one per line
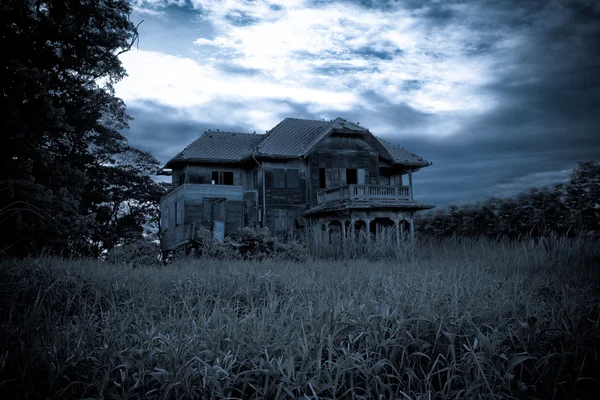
401 156
291 138
219 146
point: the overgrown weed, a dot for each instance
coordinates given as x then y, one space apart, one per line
456 319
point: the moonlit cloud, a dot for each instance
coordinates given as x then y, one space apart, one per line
500 95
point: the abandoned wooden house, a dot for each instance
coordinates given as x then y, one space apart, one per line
302 174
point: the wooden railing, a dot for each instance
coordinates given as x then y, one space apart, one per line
364 192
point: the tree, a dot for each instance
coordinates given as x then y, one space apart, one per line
62 120
583 197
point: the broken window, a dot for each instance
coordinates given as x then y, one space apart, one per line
222 177
322 179
351 176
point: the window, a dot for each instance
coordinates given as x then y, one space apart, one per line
195 178
179 205
286 178
280 217
227 178
292 179
322 180
278 178
181 179
360 174
222 177
351 176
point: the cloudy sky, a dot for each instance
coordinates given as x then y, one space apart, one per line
501 95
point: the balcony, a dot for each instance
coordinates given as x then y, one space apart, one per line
381 193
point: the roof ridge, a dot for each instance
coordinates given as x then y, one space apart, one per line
237 133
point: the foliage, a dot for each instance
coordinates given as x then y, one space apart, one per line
138 253
565 209
65 168
247 244
463 318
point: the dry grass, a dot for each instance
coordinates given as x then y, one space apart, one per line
458 319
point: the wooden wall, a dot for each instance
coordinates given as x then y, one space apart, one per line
291 202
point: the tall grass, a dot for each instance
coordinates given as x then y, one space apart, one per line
455 319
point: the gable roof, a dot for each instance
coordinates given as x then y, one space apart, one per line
219 147
401 156
291 138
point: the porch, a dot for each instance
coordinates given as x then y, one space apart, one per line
354 192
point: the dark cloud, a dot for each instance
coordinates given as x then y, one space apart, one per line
164 130
546 91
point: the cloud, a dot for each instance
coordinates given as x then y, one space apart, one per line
499 95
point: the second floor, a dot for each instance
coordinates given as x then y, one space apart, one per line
337 161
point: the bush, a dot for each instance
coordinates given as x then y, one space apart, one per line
138 253
247 244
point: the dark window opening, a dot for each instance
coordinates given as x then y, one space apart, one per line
222 177
181 179
227 178
351 176
322 180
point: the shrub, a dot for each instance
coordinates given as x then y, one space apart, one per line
247 244
137 253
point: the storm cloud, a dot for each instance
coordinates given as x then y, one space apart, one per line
501 96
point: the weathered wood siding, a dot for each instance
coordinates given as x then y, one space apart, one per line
251 208
191 197
336 154
286 203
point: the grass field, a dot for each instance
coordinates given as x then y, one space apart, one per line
454 319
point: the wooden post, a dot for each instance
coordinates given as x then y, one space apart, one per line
353 228
410 185
368 228
402 233
412 229
397 226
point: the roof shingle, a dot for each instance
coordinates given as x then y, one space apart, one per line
291 138
220 147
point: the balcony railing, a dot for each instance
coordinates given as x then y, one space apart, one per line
364 192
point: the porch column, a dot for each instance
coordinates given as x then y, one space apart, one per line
368 228
397 227
402 233
410 184
352 228
327 226
412 229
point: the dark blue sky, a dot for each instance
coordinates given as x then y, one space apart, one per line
500 95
